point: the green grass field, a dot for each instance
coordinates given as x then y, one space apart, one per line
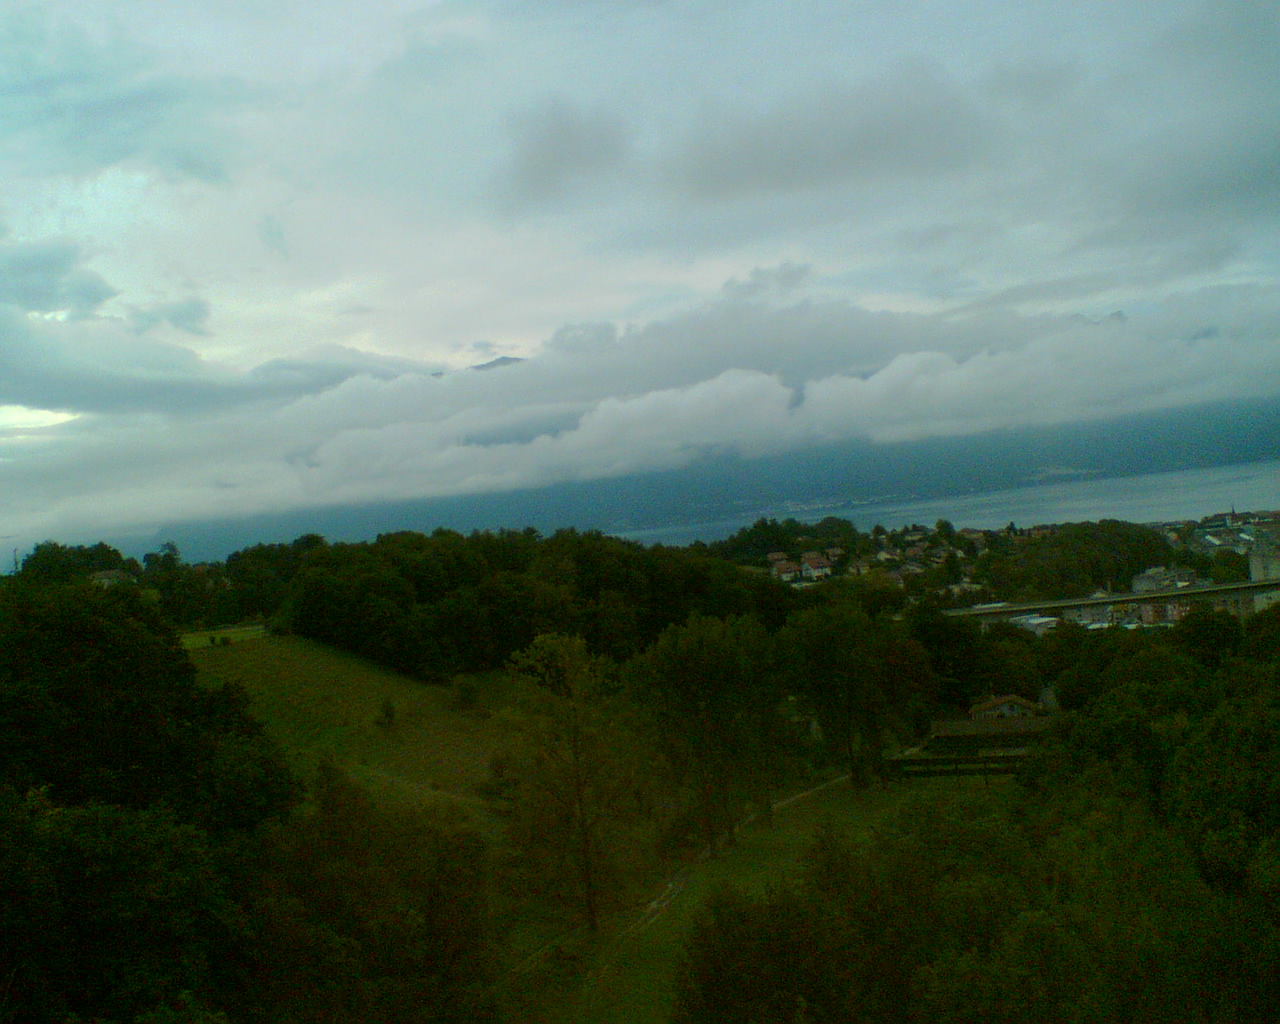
629 976
202 638
317 702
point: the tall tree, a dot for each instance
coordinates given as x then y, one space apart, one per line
51 562
98 702
106 911
709 687
861 675
1224 787
137 787
359 912
581 798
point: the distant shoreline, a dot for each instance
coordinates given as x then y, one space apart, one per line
674 512
1174 496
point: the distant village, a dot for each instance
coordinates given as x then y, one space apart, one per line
942 561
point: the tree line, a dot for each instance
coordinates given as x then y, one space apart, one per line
167 865
621 592
1132 873
163 864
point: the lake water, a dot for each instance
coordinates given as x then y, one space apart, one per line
1154 497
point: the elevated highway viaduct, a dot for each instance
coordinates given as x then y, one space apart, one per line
1239 598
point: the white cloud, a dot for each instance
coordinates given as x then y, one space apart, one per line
243 240
71 103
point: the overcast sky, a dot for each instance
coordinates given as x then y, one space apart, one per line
250 250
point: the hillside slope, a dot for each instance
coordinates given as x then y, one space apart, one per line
317 703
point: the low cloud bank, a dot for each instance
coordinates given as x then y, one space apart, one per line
161 434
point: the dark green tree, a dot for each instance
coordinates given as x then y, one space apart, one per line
98 702
582 805
108 912
187 594
985 905
1210 637
758 959
863 677
51 562
1073 560
352 911
1261 640
1150 699
259 576
1224 791
710 691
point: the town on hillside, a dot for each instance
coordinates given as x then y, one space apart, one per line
972 568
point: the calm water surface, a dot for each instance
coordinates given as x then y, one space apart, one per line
1156 497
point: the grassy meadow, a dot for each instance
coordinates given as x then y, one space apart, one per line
402 740
202 638
318 702
629 977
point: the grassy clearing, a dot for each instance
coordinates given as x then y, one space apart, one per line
630 975
317 703
201 638
633 977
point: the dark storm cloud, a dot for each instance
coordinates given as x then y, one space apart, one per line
190 315
599 403
924 215
101 367
768 282
60 351
329 365
1175 148
741 375
47 277
1219 175
557 145
576 8
94 368
907 122
272 233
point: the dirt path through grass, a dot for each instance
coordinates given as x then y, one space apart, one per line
677 883
630 977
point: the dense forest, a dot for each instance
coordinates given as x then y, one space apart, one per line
163 862
1133 874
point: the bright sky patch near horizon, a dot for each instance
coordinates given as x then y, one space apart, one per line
250 251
